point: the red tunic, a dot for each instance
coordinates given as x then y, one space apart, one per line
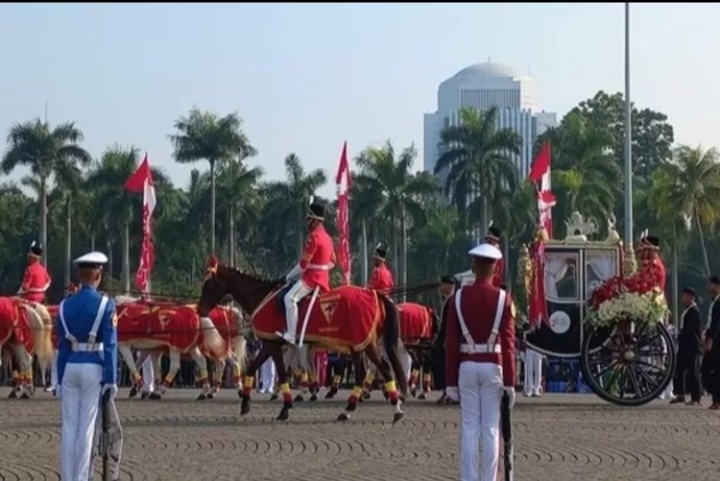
655 269
381 279
478 304
35 282
499 276
317 260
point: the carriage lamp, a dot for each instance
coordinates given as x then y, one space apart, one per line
629 262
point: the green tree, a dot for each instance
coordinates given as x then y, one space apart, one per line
46 152
477 162
204 135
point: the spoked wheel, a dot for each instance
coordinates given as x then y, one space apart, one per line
628 368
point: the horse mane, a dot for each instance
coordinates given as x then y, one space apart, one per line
122 299
253 277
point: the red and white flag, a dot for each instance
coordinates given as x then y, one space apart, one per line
343 182
142 181
540 175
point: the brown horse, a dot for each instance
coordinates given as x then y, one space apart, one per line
349 319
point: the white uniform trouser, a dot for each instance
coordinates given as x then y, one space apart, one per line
533 372
148 374
80 404
291 299
53 371
480 386
267 376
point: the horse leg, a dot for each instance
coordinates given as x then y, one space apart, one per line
127 356
427 374
26 374
277 357
219 367
312 373
202 366
141 355
338 366
414 375
174 355
385 369
249 381
357 391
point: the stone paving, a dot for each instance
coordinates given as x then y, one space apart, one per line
558 438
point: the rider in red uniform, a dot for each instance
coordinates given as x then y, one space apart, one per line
36 280
493 238
381 279
654 264
313 270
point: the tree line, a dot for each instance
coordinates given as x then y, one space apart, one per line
428 223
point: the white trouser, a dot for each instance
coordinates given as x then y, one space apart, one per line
293 296
267 376
148 374
80 404
533 372
53 371
480 385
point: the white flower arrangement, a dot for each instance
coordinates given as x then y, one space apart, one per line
650 307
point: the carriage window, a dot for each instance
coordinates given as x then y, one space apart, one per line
561 280
599 266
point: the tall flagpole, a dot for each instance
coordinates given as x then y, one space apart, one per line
629 253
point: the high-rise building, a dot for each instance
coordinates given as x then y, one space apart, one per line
482 86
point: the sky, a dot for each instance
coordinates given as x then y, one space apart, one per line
304 78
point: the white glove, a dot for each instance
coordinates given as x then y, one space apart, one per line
111 388
452 393
510 391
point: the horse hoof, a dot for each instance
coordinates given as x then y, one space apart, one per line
299 398
313 398
201 397
365 395
387 396
144 395
133 392
397 417
284 415
343 417
154 396
401 398
24 396
211 395
413 392
12 395
245 407
273 397
331 393
421 396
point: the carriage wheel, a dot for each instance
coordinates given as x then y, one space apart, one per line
628 369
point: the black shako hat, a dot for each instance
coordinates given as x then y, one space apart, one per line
316 211
35 249
380 251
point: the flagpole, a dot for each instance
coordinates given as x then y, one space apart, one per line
629 253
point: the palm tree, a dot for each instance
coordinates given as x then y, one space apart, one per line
477 161
239 198
393 192
44 150
204 135
694 177
584 175
69 180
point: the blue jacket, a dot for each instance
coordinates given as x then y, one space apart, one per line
79 312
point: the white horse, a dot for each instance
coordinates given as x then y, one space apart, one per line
40 325
208 339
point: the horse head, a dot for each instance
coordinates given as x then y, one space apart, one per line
247 290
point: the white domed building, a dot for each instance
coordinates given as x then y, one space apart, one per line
482 86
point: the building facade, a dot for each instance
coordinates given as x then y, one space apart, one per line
482 86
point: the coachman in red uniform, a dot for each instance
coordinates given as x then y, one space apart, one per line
653 263
313 270
36 280
480 362
381 278
493 238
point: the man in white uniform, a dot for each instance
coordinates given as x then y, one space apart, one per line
533 372
480 362
267 377
87 365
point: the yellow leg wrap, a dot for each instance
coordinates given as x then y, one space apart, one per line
337 379
313 377
249 382
390 386
357 391
285 388
168 381
369 378
203 375
304 377
15 375
415 372
236 370
136 377
427 378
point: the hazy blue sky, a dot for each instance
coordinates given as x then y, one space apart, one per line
307 77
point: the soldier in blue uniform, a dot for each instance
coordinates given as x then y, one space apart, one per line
87 365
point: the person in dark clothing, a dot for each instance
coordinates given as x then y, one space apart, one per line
687 373
447 287
712 345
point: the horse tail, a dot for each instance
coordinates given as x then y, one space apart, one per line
392 342
39 320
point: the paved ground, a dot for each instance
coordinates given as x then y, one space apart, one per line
558 438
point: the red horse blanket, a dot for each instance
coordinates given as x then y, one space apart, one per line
15 324
416 322
343 319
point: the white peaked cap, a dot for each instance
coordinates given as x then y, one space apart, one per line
92 258
486 250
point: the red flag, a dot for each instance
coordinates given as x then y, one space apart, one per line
141 181
343 182
541 164
540 174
